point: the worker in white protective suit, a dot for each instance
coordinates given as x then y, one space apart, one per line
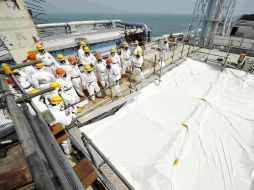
49 95
23 80
64 64
41 78
75 75
47 59
68 93
57 110
114 77
61 117
164 50
88 58
136 47
30 70
101 67
90 82
126 58
38 101
81 52
137 62
115 59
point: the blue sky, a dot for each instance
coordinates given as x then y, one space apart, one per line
135 6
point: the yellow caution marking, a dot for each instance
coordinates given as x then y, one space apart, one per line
176 162
184 125
7 69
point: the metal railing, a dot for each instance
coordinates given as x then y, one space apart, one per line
48 165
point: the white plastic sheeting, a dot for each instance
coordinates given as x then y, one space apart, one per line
198 115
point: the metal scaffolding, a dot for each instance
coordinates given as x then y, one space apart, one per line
210 18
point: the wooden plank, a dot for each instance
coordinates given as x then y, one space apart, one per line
59 133
85 172
14 171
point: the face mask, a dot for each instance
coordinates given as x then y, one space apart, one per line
42 51
16 74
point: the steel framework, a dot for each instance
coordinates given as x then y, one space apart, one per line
210 18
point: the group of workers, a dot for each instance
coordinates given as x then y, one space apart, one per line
70 77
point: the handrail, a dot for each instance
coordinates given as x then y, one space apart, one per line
88 142
66 24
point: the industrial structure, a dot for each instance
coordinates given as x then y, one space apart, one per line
210 18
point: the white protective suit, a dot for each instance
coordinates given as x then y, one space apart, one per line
39 105
137 70
66 66
100 67
24 80
88 59
81 55
42 78
90 82
60 114
29 70
114 76
115 61
48 96
68 93
48 60
135 50
75 75
164 51
126 62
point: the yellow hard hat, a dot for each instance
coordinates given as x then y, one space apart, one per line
112 50
60 57
34 91
15 71
86 49
39 65
56 100
54 85
88 68
125 44
82 43
39 47
139 52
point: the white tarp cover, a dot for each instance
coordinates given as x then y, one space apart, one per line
215 151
